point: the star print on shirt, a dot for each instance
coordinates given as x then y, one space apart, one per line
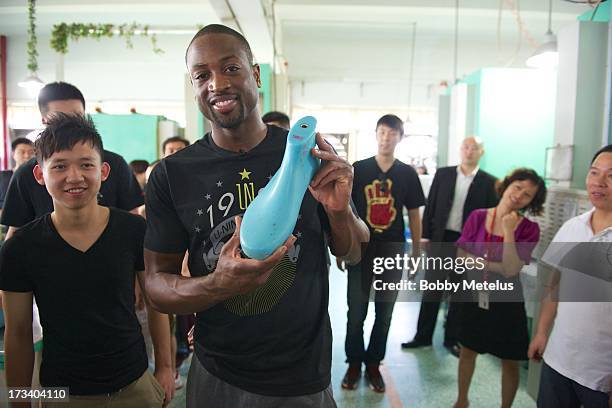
219 183
200 212
207 196
197 229
298 234
244 174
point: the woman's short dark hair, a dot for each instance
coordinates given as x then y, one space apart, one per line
536 206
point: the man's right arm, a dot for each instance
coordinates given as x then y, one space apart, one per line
548 312
18 342
170 292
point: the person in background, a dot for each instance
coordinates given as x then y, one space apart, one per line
505 239
277 119
23 150
577 353
382 188
455 192
173 144
139 168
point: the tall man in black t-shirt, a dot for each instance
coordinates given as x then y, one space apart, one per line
382 188
27 200
263 335
80 262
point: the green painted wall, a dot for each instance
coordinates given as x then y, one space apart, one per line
516 118
513 111
590 94
133 136
265 92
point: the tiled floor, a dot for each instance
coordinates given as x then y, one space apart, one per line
425 378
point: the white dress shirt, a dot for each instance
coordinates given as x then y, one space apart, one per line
462 185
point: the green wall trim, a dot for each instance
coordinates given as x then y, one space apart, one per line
266 87
513 111
602 15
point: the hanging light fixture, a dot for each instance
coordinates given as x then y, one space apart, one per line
546 55
32 82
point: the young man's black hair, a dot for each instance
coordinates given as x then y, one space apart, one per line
58 91
139 166
393 122
278 117
63 132
20 140
175 139
221 29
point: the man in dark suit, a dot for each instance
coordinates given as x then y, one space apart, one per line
455 192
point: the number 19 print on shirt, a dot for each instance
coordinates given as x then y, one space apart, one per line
265 297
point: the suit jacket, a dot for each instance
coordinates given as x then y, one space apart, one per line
481 194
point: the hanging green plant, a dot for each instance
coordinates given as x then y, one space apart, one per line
75 31
32 40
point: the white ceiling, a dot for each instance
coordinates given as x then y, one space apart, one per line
342 40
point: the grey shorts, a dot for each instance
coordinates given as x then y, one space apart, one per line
204 390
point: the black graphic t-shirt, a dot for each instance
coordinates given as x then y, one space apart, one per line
275 340
380 197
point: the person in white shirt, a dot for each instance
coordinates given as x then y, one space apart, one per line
577 354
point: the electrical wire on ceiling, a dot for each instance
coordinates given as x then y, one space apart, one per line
514 6
595 10
589 2
520 35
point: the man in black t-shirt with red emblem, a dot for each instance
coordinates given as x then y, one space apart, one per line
262 335
383 186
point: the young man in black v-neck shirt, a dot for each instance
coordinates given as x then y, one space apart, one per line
382 188
80 262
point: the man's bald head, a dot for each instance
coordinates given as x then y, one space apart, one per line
472 149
